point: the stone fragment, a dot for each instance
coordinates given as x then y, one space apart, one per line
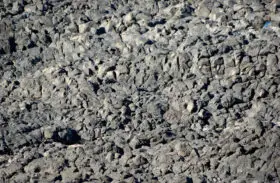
84 27
191 106
134 143
128 19
202 10
70 175
49 132
181 149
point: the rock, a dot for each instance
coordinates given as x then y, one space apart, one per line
109 157
229 3
181 149
134 143
35 166
156 109
204 114
108 26
12 169
261 93
191 106
227 100
49 132
70 175
128 19
17 8
216 14
84 27
30 8
203 10
275 5
37 135
275 18
272 64
139 160
21 177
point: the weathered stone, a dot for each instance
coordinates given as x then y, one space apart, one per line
70 175
203 10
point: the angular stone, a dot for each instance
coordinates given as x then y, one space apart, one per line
49 132
84 27
191 106
128 19
181 149
202 10
70 175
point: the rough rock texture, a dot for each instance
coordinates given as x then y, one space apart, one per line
140 91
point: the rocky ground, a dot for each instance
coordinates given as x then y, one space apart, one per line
140 91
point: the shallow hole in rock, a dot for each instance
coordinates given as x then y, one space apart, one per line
62 71
58 178
17 83
31 45
100 31
236 140
67 136
113 7
207 165
94 86
126 120
100 81
169 134
35 60
219 107
189 180
270 178
2 51
28 107
149 42
127 176
9 63
100 39
48 39
154 23
121 126
35 31
37 169
119 150
245 42
12 44
238 115
181 28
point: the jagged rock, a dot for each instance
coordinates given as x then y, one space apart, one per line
139 91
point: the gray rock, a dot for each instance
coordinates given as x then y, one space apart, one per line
70 175
49 132
203 10
182 149
129 91
191 106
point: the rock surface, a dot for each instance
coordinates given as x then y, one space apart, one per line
139 91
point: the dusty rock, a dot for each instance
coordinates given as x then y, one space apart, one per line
203 10
129 91
191 106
